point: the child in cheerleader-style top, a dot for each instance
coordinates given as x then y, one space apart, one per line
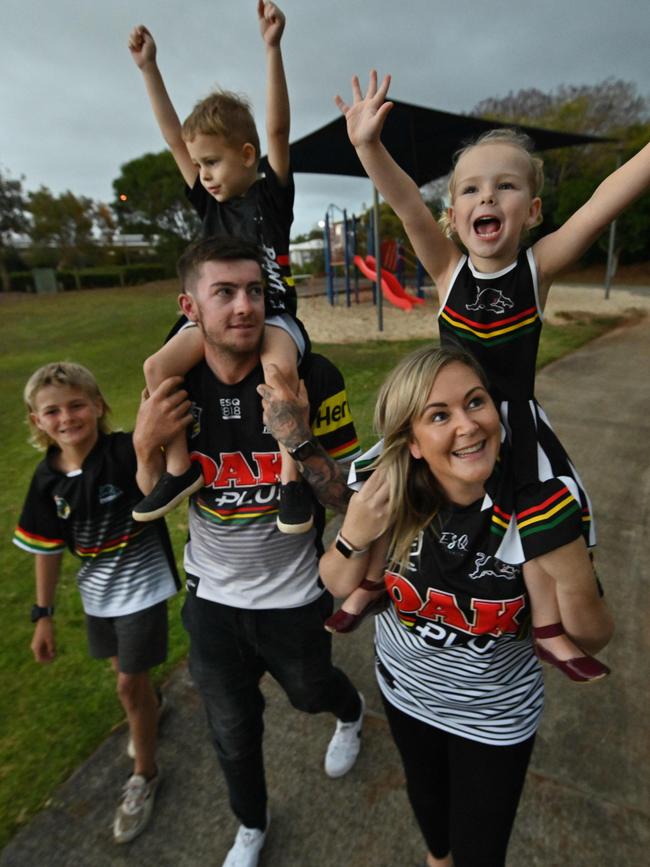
217 151
491 302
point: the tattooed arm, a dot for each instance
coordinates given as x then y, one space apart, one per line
287 417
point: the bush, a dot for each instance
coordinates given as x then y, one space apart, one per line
143 273
21 281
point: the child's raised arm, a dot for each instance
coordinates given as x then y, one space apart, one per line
47 569
143 52
365 120
278 118
618 191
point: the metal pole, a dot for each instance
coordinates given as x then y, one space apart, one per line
375 209
346 257
328 260
609 273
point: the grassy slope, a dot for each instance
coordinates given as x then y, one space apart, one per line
52 717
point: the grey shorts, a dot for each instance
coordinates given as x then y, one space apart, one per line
139 640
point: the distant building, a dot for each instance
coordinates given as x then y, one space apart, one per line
305 251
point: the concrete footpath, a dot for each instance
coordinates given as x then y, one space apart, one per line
587 797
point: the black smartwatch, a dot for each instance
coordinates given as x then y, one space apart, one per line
304 450
343 547
39 611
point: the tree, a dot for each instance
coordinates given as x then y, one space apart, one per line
63 224
149 198
13 220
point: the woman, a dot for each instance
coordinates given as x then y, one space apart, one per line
461 686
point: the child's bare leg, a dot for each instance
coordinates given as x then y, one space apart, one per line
545 611
279 349
138 698
295 509
371 590
182 476
176 358
584 614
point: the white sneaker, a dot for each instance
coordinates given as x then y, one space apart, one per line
247 847
344 747
135 810
163 707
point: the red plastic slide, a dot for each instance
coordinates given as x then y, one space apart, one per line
390 285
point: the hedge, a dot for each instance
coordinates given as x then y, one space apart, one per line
94 278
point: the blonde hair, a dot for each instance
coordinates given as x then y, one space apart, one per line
505 136
415 494
225 114
65 373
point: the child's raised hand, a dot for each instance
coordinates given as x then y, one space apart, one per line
142 46
365 117
272 22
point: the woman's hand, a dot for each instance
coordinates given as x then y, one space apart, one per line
367 516
365 117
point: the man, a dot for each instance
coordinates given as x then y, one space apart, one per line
254 601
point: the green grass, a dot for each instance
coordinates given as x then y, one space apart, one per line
52 717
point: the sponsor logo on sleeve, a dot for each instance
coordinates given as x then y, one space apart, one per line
333 413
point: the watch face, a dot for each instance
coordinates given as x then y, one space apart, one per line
304 450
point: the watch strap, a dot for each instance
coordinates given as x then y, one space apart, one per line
346 549
39 611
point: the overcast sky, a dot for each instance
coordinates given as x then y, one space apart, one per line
73 107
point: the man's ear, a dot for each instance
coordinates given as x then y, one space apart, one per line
33 417
188 305
249 155
451 218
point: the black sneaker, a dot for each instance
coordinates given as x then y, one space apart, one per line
168 493
295 508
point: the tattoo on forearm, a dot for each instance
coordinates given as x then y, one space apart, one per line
327 479
286 422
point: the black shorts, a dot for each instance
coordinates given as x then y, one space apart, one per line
138 640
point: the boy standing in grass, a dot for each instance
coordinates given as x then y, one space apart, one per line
81 497
217 152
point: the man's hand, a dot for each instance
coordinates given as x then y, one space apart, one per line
43 645
142 46
162 415
285 414
272 23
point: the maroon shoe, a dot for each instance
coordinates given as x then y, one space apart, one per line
580 669
343 621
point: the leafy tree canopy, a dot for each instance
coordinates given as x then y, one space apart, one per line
155 202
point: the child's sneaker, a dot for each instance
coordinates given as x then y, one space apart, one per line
163 707
295 514
168 493
135 810
247 847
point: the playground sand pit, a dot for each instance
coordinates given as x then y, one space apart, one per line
357 323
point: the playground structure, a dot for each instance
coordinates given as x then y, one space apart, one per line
340 248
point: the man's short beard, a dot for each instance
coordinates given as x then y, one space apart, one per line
222 348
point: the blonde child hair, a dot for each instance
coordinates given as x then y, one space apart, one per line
504 136
226 114
65 373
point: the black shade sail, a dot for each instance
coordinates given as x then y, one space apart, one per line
422 140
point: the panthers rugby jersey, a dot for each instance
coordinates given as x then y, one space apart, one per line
497 318
125 566
235 548
453 649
